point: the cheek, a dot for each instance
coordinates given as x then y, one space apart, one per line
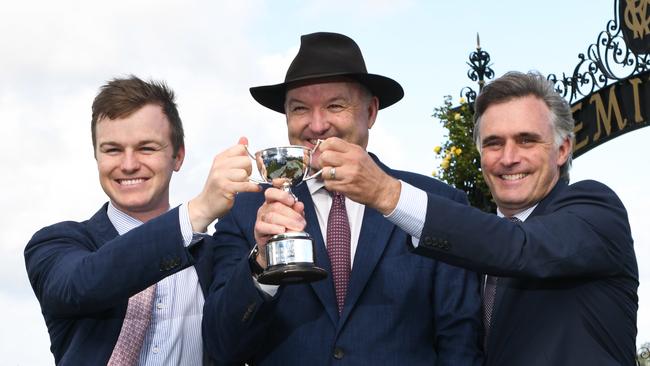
487 162
104 166
293 130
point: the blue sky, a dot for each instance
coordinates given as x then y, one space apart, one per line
56 55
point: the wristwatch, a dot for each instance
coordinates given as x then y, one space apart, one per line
256 269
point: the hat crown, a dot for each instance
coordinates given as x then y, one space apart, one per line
324 54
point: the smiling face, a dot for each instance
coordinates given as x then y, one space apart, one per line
519 157
331 109
135 161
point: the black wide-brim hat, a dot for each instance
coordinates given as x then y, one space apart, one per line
328 55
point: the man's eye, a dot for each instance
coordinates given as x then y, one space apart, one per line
111 151
335 107
525 140
148 149
298 109
491 144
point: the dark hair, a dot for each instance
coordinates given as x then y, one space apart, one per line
121 97
516 84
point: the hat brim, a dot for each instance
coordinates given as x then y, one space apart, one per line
387 90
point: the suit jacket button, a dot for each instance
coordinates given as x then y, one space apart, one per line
428 241
338 353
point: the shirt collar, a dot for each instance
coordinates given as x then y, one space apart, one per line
523 215
314 185
122 222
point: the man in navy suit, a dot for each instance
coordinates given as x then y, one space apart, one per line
86 275
562 278
398 308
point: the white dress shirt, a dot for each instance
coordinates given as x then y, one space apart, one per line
174 334
411 211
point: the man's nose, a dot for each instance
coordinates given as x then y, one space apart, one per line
510 153
319 123
130 162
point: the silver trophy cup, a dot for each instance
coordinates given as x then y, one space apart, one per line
290 256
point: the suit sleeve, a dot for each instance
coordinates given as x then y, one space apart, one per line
236 315
457 313
72 275
582 231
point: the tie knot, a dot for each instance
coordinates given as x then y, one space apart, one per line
337 196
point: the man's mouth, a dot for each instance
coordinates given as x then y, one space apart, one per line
513 176
130 182
313 142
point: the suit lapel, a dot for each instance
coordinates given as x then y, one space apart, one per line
373 239
101 227
324 289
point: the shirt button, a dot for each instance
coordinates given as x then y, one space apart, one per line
156 350
160 305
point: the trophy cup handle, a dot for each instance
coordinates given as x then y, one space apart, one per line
251 179
311 152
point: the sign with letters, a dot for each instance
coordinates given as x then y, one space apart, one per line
635 23
612 111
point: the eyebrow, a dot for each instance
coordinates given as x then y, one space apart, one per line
140 143
530 136
330 100
527 135
490 139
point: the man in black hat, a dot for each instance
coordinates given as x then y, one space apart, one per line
380 304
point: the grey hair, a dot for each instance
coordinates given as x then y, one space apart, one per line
516 84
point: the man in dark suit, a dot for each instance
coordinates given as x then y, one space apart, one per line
135 254
562 278
394 307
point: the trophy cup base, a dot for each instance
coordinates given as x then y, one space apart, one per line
291 273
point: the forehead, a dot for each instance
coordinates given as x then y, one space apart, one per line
146 123
324 90
527 114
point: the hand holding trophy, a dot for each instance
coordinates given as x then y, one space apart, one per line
290 255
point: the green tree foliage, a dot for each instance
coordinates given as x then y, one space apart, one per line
459 160
643 355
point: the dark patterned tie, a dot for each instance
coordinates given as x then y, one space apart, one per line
136 321
338 247
489 294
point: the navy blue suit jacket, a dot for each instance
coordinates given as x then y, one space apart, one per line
568 275
400 309
83 274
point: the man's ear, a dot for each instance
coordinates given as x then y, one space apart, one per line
373 107
564 150
178 160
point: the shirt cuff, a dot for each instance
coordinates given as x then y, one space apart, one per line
189 237
410 212
267 290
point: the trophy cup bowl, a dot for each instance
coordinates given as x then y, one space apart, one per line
289 256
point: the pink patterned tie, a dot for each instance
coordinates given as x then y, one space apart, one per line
134 328
338 247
